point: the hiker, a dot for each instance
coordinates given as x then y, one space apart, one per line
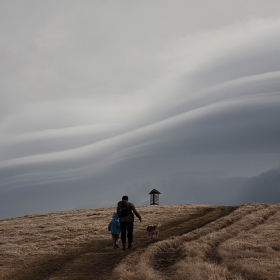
115 228
126 211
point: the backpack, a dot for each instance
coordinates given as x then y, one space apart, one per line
122 209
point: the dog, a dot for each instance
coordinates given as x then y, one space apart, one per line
153 231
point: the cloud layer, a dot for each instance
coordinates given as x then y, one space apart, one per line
104 99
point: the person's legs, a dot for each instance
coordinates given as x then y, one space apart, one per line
114 240
130 234
123 234
117 240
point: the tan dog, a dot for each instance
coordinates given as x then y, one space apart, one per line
153 231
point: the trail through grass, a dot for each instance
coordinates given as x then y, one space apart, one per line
194 242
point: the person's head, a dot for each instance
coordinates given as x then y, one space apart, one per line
125 197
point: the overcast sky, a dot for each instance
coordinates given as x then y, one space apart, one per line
105 98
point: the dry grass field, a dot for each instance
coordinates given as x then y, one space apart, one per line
195 242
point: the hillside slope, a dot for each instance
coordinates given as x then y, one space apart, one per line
195 242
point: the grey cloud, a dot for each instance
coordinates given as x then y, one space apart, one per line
263 188
100 100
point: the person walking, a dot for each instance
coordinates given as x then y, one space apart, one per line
126 211
115 228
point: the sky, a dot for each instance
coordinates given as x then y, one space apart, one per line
101 99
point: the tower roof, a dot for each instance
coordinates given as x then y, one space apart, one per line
154 191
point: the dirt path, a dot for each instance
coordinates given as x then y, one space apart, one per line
165 259
96 260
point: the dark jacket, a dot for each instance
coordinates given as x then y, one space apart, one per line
114 226
130 216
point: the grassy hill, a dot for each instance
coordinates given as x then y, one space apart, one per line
195 242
